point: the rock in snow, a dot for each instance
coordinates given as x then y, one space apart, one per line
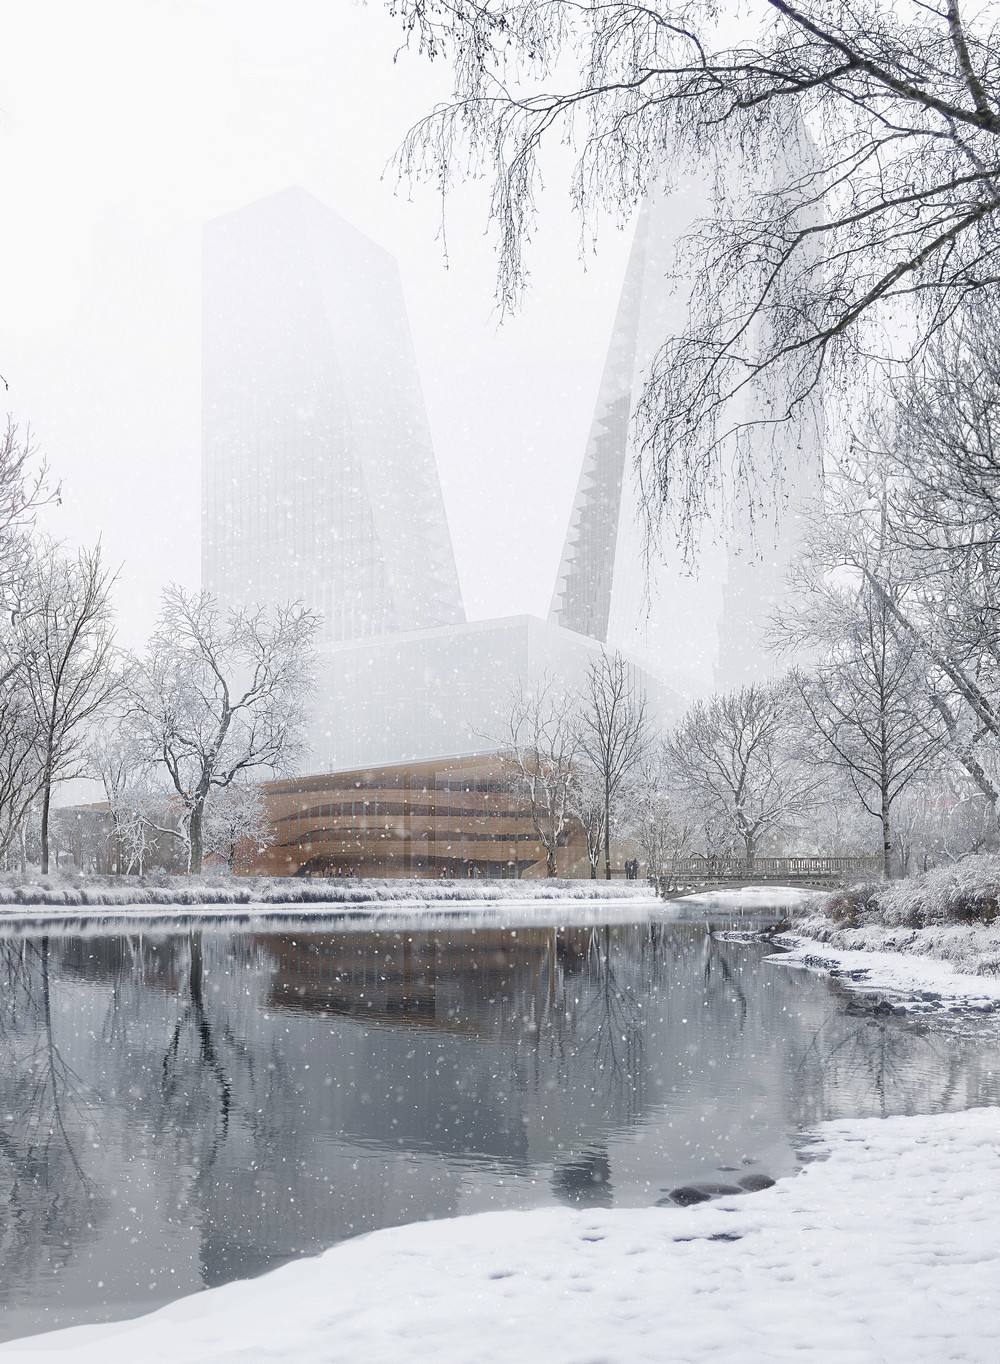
888 1251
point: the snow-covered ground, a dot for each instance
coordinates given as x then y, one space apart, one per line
83 906
238 890
888 1251
950 967
936 934
750 899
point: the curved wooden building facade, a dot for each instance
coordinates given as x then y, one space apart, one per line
453 817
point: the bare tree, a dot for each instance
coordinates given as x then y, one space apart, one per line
67 662
236 817
138 810
538 752
901 574
731 756
613 731
936 443
23 490
866 695
886 208
21 764
590 811
653 814
221 695
922 499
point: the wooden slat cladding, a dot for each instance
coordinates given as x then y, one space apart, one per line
450 817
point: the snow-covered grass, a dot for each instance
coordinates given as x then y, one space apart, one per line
889 1250
963 892
129 892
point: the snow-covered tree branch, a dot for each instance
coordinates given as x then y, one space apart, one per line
851 154
221 696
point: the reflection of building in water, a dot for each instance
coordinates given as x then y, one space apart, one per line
323 1085
432 979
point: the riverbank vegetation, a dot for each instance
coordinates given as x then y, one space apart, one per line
967 892
161 888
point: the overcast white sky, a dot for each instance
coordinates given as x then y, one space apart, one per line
124 124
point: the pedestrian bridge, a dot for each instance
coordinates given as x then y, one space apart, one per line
685 874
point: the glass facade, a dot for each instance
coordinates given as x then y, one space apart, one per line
319 480
699 626
441 693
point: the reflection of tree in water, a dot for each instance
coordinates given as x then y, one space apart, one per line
585 1181
46 1110
213 1080
175 1068
720 980
544 1045
611 1022
193 1051
864 1061
617 977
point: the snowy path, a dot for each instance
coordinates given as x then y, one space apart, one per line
888 1251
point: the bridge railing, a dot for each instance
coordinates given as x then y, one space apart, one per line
768 868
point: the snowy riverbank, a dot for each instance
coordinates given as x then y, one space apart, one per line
182 891
934 938
957 964
964 892
888 1250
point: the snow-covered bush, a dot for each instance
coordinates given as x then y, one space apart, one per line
964 892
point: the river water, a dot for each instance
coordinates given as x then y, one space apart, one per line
180 1107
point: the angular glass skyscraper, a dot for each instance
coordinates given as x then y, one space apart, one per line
318 475
704 628
664 619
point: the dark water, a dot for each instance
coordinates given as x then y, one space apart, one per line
182 1108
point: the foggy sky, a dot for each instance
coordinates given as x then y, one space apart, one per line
122 128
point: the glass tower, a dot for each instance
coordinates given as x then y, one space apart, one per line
318 476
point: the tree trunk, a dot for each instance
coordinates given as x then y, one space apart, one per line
886 834
46 800
196 984
751 852
550 862
196 853
593 871
607 832
23 850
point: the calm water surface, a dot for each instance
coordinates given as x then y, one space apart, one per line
181 1108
